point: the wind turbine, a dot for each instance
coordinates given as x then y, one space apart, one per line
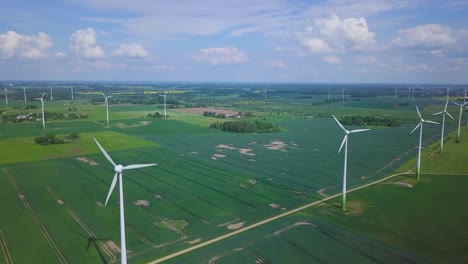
342 96
106 102
42 103
443 124
51 97
420 125
396 89
118 174
345 143
164 95
328 94
459 118
24 92
409 92
412 94
5 90
71 88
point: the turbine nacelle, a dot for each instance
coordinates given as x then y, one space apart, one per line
119 168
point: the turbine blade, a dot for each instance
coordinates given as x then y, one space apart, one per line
338 122
432 122
359 130
105 153
114 181
419 114
136 166
446 104
42 96
415 128
104 95
456 103
438 113
343 142
449 115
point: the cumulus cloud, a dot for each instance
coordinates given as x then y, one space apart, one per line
29 47
220 56
365 59
331 60
83 44
333 34
131 50
425 36
60 55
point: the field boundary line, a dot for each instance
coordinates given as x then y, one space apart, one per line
4 246
83 225
268 220
36 219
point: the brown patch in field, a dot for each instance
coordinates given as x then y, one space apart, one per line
252 181
355 207
277 145
157 196
214 158
246 152
235 226
200 111
197 240
86 160
141 203
60 202
222 146
99 204
76 150
273 205
193 152
139 124
219 155
112 246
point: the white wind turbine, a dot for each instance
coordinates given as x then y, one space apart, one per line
164 95
420 125
443 124
51 97
42 103
106 102
5 90
71 88
396 89
345 143
459 118
24 92
342 95
118 174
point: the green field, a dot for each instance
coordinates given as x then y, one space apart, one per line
207 183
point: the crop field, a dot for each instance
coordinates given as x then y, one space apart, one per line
207 183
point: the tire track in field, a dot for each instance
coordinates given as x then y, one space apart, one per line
127 226
83 225
43 230
4 246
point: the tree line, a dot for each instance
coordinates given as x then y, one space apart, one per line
246 126
370 121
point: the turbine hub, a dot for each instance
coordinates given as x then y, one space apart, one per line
346 132
118 168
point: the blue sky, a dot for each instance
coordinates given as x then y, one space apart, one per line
396 41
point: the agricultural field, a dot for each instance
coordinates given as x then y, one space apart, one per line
208 183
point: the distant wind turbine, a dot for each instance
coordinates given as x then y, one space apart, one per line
420 125
459 118
5 90
24 92
71 88
42 103
396 89
412 93
118 174
106 102
342 96
409 92
443 124
51 97
328 93
448 91
345 143
164 95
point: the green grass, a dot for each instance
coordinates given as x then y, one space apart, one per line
428 219
24 149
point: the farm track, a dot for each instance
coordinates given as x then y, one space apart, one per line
4 246
268 220
109 253
41 227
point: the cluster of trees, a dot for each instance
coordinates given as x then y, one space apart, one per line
370 121
246 126
50 138
213 114
156 115
33 117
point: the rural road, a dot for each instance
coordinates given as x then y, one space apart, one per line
268 220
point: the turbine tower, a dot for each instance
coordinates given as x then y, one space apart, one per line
51 97
420 125
118 174
396 89
328 94
345 143
409 92
342 96
106 102
71 88
24 92
459 118
165 105
42 103
5 90
443 124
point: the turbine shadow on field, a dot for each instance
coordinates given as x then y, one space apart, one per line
94 241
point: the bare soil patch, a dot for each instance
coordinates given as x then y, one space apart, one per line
235 226
273 205
219 155
60 202
200 111
222 146
277 145
139 124
246 152
193 241
112 246
89 161
141 203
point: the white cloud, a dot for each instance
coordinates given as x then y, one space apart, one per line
132 50
331 59
276 64
365 59
164 66
333 34
83 44
220 56
425 36
60 55
29 47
